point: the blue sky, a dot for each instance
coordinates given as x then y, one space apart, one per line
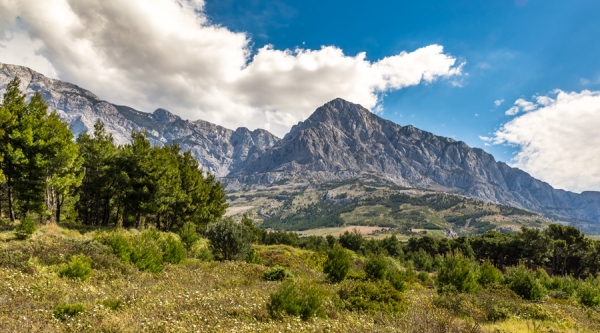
512 49
269 64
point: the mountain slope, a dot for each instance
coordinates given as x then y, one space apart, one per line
339 141
345 137
217 149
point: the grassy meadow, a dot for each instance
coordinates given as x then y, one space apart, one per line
199 295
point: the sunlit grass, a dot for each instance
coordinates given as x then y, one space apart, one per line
197 296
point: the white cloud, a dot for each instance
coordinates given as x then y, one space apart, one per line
166 53
498 102
512 111
16 46
525 105
559 141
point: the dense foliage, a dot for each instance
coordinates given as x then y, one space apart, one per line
92 180
229 240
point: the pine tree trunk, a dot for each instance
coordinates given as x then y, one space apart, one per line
553 264
138 221
58 206
97 209
158 221
106 212
564 265
11 211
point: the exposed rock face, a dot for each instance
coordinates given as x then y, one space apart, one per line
339 141
217 149
341 137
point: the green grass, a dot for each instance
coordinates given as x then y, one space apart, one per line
197 296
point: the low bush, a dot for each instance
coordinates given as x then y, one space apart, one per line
173 250
396 278
456 274
423 276
188 235
422 260
79 267
488 274
377 296
61 312
204 254
587 295
498 302
112 303
146 254
229 240
523 282
253 257
25 229
120 244
277 274
337 265
376 267
304 301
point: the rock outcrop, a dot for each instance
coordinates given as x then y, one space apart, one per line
339 141
342 137
218 149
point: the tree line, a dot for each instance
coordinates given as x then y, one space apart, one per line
564 250
47 173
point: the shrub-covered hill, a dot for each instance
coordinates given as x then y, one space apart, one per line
301 207
45 287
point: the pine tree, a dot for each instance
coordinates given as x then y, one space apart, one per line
13 108
64 163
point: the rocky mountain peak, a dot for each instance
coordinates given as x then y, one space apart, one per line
163 115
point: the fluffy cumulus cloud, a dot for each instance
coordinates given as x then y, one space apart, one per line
558 138
166 53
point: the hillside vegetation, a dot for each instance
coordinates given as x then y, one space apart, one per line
86 279
307 206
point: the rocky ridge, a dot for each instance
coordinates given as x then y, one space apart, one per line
339 141
218 149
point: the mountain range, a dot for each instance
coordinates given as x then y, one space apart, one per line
339 141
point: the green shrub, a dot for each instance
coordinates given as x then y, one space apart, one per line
112 303
376 267
523 282
204 254
79 267
331 241
422 260
146 254
459 304
337 265
374 296
173 250
63 311
277 274
229 240
423 276
304 301
252 257
498 302
120 244
188 235
587 295
25 229
488 274
396 278
456 274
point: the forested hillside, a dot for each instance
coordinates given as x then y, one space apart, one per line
49 175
